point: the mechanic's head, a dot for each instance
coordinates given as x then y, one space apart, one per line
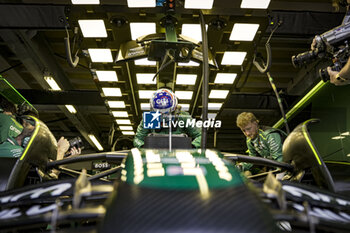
248 123
7 107
164 101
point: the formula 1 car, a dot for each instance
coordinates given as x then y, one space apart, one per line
190 190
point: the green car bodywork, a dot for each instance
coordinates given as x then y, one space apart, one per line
179 169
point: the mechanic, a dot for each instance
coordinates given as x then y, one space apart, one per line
9 126
342 77
164 101
261 141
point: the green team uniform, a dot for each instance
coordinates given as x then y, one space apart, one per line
10 149
267 144
193 132
9 127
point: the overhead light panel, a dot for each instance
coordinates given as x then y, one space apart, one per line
144 62
93 28
52 83
225 78
186 79
145 94
184 95
123 127
100 55
233 58
255 4
218 94
244 31
141 3
185 107
116 104
85 2
199 4
190 63
106 75
120 113
123 122
145 106
214 106
112 91
141 29
338 137
212 115
145 79
128 133
71 109
96 142
193 31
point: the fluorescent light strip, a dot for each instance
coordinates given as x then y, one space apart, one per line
123 122
184 107
52 83
255 4
210 115
116 104
85 2
225 78
145 62
96 142
218 94
71 109
214 106
100 55
193 31
143 94
186 79
184 95
233 58
93 28
123 127
128 133
141 29
141 3
106 75
111 91
199 4
120 114
145 106
145 79
244 31
190 63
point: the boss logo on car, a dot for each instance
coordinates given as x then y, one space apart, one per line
101 165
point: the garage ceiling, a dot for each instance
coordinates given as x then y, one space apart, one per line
32 46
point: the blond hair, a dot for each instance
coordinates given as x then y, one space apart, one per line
244 118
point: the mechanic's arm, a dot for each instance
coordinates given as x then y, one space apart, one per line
62 147
141 133
275 145
252 152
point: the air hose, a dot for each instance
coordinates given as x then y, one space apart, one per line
265 69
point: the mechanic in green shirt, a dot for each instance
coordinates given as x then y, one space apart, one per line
261 141
9 127
13 147
164 102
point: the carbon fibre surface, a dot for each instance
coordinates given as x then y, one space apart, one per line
137 209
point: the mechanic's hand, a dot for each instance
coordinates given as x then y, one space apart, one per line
75 151
62 147
333 78
313 44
